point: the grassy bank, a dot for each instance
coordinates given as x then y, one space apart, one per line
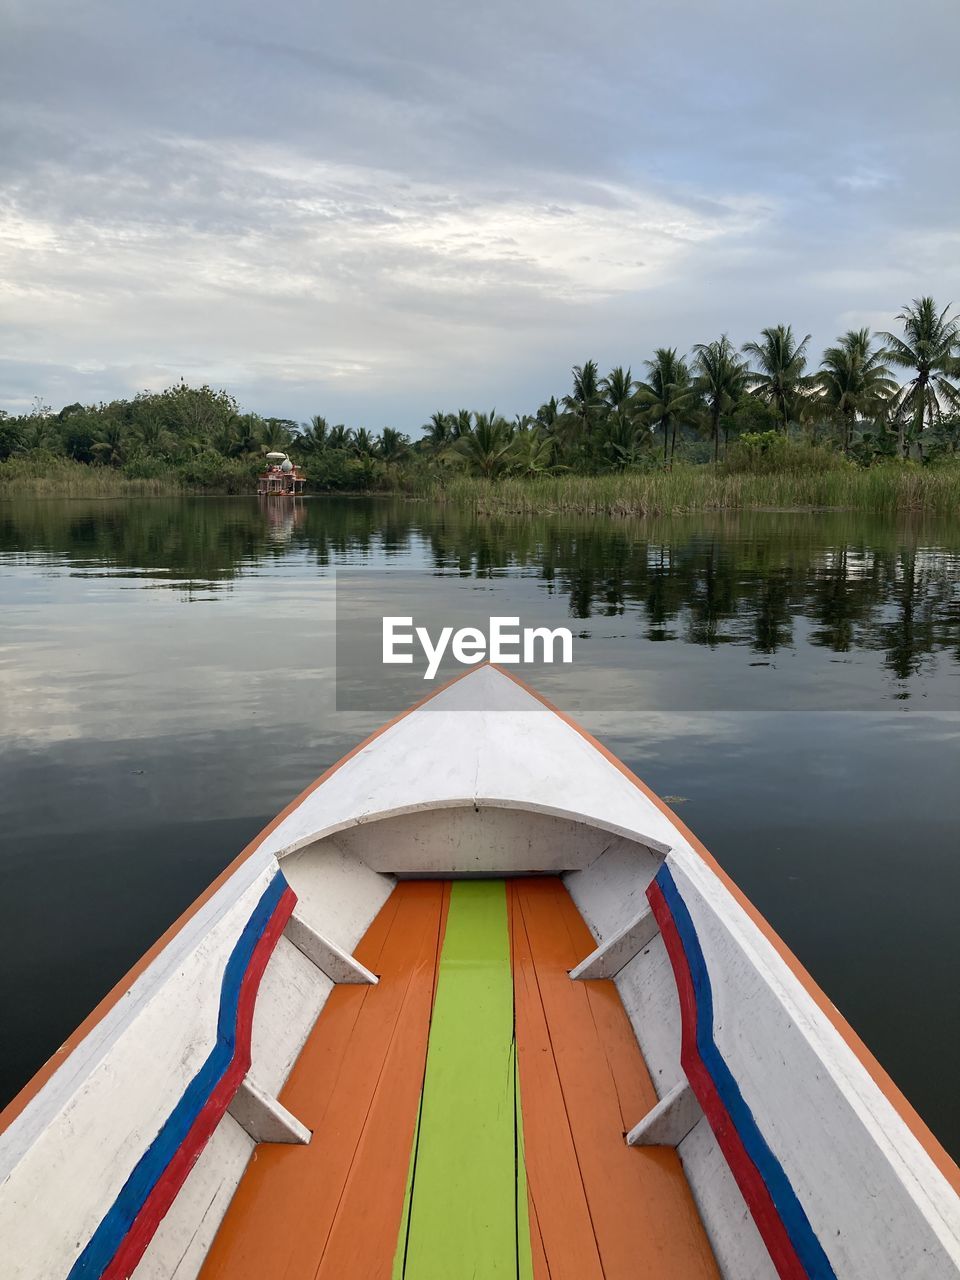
881 489
62 478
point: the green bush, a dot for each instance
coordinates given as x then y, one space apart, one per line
767 452
335 469
44 475
144 466
210 472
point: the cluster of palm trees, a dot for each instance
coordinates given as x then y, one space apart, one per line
612 421
718 391
318 437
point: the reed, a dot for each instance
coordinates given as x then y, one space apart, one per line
881 489
33 477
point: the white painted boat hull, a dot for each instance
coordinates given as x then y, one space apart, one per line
791 1137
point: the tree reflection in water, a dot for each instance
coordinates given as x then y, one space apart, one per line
859 582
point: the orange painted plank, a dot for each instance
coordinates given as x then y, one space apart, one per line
540 1269
363 1239
635 1090
554 1181
280 1219
640 1206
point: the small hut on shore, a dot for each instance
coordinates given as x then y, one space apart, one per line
281 478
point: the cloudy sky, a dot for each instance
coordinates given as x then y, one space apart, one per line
372 210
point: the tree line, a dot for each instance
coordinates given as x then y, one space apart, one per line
883 395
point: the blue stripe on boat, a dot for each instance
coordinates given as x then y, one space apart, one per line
808 1248
113 1228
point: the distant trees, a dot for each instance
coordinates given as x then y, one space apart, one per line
854 381
929 349
778 378
687 407
394 445
584 404
669 395
486 446
611 421
314 436
721 380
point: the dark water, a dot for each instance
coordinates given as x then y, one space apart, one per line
167 684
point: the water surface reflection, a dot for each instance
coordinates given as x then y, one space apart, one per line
166 684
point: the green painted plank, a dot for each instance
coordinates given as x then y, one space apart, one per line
463 1214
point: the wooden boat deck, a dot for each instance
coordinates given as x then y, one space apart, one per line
468 1114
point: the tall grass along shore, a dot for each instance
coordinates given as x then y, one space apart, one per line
34 477
890 488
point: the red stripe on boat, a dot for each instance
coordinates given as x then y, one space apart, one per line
748 1177
165 1192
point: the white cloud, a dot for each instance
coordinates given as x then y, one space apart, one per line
372 210
865 178
257 260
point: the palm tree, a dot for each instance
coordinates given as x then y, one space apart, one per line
620 433
668 394
929 346
721 378
314 437
623 445
111 444
486 448
394 445
533 451
275 435
617 389
153 437
36 433
854 379
586 399
437 432
548 415
782 361
363 444
224 440
247 431
461 424
340 437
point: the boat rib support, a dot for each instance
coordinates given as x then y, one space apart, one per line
669 1122
611 956
337 964
264 1118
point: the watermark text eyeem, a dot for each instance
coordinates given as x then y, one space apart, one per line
505 641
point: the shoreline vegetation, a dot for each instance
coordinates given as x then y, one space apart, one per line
720 429
887 489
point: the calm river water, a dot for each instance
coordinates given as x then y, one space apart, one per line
791 680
